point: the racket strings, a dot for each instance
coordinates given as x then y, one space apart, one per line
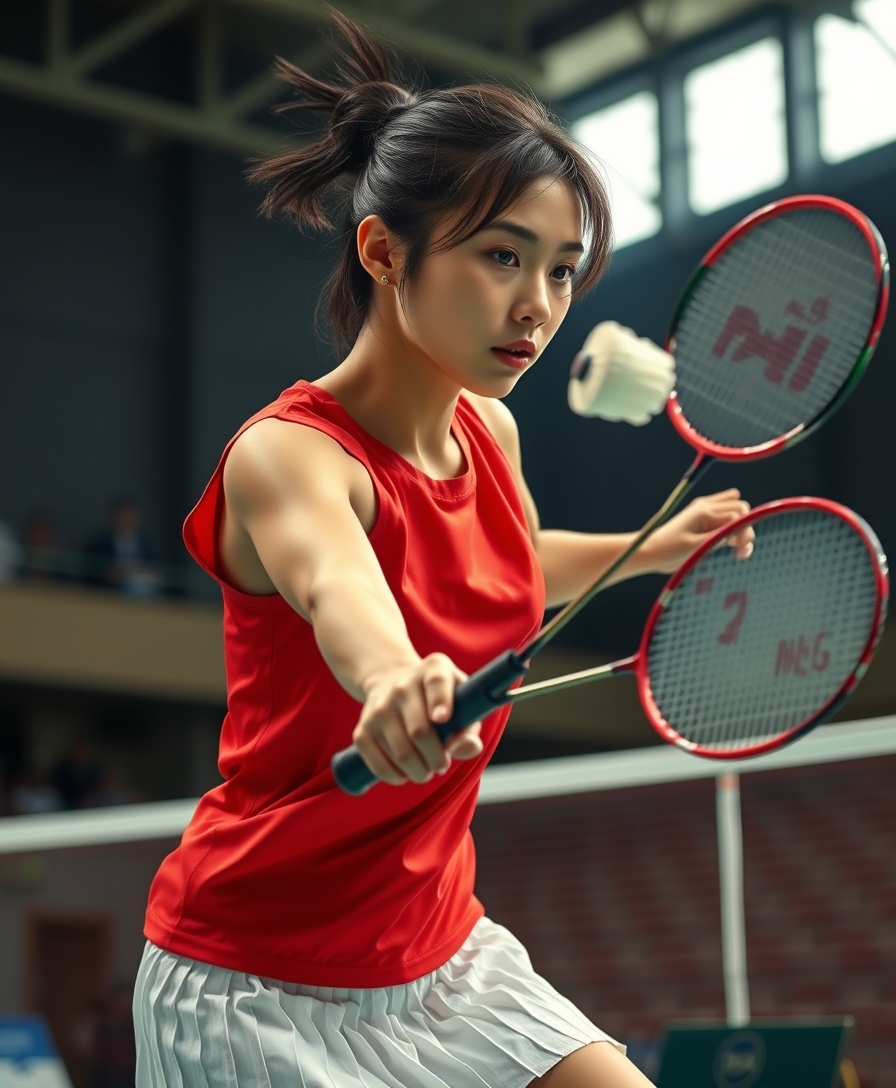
773 330
746 274
747 651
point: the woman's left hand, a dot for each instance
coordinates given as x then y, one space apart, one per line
670 545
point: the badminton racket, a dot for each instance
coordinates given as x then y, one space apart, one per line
773 331
738 658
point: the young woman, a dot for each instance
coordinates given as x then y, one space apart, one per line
375 541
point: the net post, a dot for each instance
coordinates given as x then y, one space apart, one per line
731 886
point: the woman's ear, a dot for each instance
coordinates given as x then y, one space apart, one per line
379 251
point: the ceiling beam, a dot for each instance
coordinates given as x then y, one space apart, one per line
265 88
207 128
433 48
127 33
210 55
217 120
57 30
410 9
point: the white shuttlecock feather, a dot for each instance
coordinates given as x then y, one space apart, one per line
620 376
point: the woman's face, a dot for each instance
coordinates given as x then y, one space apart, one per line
483 311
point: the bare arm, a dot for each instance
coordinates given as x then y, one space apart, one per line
299 500
571 561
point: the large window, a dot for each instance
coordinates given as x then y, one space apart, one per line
736 128
624 139
736 117
856 66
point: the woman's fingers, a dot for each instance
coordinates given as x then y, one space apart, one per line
417 747
396 736
728 506
725 507
439 688
378 763
742 542
719 511
440 677
465 743
395 739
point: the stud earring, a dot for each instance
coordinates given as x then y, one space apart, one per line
384 279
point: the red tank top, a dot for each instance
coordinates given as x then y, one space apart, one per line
279 873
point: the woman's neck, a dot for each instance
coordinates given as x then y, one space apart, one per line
403 400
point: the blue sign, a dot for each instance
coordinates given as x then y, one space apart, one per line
28 1058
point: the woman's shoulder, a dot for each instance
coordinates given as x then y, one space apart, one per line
304 424
297 443
498 420
288 449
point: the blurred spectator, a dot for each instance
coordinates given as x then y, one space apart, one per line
41 552
78 776
113 790
30 794
10 553
122 556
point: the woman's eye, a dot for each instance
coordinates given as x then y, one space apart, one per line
504 256
564 273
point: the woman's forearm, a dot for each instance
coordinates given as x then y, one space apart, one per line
570 561
359 631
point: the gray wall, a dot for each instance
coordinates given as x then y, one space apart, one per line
82 320
255 285
145 311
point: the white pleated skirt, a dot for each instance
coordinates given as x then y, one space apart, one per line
484 1018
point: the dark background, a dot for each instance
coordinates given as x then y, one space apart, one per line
146 311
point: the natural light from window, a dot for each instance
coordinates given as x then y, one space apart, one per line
624 139
856 72
736 128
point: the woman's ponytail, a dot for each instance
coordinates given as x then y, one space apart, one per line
458 156
356 107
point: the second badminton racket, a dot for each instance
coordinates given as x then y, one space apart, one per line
737 657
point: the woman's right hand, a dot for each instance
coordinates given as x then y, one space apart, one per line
395 735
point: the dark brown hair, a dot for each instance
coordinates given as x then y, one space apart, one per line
414 158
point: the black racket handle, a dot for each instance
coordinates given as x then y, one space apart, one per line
478 695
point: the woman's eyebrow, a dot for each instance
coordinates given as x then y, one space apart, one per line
528 235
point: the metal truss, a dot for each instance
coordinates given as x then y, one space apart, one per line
217 119
221 116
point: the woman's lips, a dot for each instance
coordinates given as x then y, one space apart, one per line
513 359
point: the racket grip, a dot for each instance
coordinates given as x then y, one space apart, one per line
478 695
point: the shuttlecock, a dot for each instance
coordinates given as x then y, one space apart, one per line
620 376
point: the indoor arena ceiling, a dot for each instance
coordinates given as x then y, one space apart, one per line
198 70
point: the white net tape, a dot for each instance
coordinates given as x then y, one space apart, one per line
747 650
601 771
774 328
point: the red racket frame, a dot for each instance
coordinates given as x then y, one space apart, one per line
640 662
490 686
706 446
